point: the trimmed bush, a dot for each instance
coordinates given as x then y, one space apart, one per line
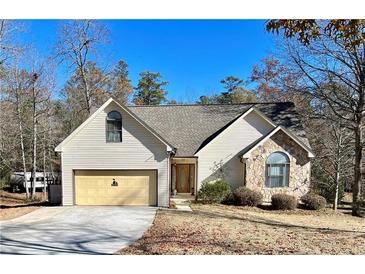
313 201
244 196
214 192
283 202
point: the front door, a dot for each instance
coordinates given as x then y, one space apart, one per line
184 177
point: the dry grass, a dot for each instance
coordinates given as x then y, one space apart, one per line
221 229
14 205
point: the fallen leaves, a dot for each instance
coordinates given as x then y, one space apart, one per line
15 205
220 229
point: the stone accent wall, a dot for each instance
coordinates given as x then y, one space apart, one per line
299 173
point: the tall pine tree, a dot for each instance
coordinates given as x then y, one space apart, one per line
150 89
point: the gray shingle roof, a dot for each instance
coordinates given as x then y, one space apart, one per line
190 127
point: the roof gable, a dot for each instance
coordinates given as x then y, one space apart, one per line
187 129
232 123
191 127
59 148
246 151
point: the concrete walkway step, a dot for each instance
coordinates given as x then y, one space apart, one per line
182 204
183 208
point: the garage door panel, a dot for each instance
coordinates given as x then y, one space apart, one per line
94 187
112 201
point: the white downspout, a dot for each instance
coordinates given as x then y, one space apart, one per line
169 153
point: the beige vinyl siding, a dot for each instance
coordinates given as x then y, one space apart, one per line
224 149
139 149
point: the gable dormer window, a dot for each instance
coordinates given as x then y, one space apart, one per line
114 127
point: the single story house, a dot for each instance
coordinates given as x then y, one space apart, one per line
142 155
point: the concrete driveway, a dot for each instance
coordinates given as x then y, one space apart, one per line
75 230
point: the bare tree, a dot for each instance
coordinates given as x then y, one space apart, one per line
19 116
333 144
8 47
34 132
15 85
342 156
24 97
44 164
327 66
48 143
77 45
328 54
268 75
39 96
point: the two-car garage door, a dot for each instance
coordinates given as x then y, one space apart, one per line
115 187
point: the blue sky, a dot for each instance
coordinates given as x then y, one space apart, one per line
192 55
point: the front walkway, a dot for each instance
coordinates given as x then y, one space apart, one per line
75 230
182 201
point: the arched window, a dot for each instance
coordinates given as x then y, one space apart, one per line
114 127
277 170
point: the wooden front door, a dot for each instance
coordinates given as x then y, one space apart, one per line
185 174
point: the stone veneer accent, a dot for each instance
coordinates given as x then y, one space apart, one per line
299 173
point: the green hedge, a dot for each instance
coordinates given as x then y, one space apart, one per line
214 192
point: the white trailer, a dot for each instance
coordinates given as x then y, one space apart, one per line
17 181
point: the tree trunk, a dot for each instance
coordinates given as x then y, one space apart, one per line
23 159
34 145
335 202
87 91
44 165
22 147
50 165
34 159
356 188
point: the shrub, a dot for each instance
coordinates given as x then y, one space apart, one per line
214 192
5 174
229 200
325 186
329 192
313 201
246 197
283 201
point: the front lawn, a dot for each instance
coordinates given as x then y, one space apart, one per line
222 229
14 205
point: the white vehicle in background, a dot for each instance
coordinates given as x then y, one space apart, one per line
17 182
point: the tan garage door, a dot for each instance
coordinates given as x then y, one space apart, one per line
115 187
